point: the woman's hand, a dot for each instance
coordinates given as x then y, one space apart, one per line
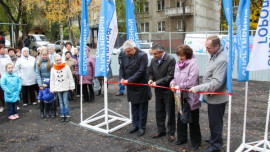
41 88
173 88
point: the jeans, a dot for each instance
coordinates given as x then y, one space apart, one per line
121 89
64 103
12 108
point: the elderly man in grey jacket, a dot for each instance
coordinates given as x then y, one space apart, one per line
214 80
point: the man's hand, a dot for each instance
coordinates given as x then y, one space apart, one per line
41 88
38 101
124 81
150 81
153 84
192 90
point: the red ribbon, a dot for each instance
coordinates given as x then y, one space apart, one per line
142 84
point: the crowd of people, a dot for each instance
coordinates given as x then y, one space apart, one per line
54 79
48 78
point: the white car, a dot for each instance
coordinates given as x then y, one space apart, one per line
144 47
38 40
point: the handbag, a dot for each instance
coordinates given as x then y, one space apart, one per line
96 84
186 112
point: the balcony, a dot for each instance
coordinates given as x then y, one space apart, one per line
178 11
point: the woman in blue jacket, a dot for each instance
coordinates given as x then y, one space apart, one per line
43 71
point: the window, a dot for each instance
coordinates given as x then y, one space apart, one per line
178 4
146 8
180 25
161 26
161 4
143 8
144 27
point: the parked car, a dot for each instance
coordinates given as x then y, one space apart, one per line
38 40
144 47
7 44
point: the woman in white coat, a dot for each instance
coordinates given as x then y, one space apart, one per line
25 68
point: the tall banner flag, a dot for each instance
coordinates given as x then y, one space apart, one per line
83 39
227 7
260 53
107 34
131 27
242 36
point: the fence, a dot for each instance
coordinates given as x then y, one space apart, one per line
171 40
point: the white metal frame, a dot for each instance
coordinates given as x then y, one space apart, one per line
261 145
108 115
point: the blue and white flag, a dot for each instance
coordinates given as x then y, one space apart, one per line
107 34
260 53
83 39
242 35
227 7
131 27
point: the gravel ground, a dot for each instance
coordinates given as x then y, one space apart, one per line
30 133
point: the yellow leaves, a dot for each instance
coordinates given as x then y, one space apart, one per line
55 10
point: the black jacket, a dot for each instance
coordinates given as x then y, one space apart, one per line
134 70
162 73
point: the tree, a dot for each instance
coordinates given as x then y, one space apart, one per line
13 10
59 11
255 9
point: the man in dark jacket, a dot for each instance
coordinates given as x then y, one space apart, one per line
161 72
133 70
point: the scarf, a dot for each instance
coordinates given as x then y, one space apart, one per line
181 64
59 67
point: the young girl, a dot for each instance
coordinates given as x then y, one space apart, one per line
11 84
61 82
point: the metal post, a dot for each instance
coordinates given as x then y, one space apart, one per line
245 115
106 102
170 39
229 123
267 124
81 100
12 39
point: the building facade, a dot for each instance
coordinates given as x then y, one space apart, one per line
167 16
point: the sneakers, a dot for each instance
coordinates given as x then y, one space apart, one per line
16 116
11 117
24 104
1 109
34 103
62 119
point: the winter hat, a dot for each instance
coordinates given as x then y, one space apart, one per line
46 81
67 53
25 49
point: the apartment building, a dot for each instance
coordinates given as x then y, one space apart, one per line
168 16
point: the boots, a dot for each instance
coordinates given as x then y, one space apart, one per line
41 114
41 106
